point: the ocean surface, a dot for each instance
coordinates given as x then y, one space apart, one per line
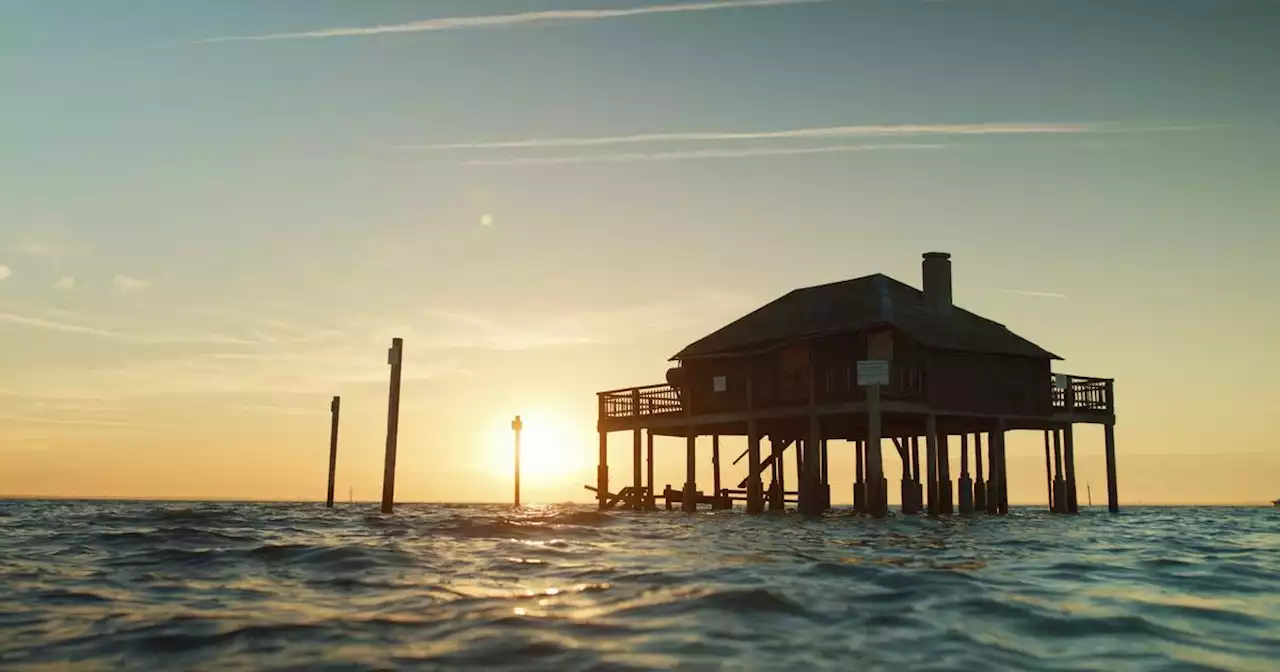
231 586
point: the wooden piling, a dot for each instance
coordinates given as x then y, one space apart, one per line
1059 480
690 500
1113 494
755 498
907 487
979 486
915 474
993 472
966 483
516 426
602 472
1069 455
931 464
876 490
859 482
776 487
1048 468
637 468
944 475
715 471
394 357
1004 466
334 409
826 483
652 503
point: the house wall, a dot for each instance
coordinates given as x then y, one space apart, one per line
984 383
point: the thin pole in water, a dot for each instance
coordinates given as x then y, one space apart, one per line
334 407
516 426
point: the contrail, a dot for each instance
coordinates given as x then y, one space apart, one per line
513 20
690 155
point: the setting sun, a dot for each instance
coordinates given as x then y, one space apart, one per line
551 453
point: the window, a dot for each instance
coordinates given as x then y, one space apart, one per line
719 384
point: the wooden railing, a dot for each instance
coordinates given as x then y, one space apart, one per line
640 401
1087 394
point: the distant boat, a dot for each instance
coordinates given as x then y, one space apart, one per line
1276 503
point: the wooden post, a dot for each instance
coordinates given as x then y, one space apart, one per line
690 501
907 487
931 464
715 472
637 466
1004 468
826 483
811 500
876 490
516 426
755 494
944 475
799 470
915 474
652 503
1113 495
1059 481
394 357
1048 468
966 483
334 408
1068 438
602 472
980 486
993 471
859 482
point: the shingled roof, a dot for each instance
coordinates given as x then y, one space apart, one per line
854 305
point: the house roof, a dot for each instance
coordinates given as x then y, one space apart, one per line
853 305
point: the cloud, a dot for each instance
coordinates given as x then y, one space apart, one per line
689 155
41 323
66 283
1048 295
824 132
178 337
5 272
559 17
123 284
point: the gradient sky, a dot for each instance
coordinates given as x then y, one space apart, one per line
202 238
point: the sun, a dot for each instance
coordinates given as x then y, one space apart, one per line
547 452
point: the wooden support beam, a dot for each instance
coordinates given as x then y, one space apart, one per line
1069 454
715 467
1048 467
966 483
637 467
931 464
945 489
690 501
755 496
1059 477
993 472
652 504
918 500
776 448
602 472
859 482
1113 491
876 490
980 485
826 483
335 407
1004 467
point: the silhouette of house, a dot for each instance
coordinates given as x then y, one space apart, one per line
790 371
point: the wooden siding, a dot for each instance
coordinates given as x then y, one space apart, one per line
981 383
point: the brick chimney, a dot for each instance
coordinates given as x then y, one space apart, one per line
937 282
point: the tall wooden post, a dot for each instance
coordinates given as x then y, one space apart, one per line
966 483
979 486
876 490
907 487
651 499
690 499
776 446
859 479
602 463
334 407
516 426
394 357
1068 438
931 464
945 491
637 466
1048 468
826 483
812 499
1113 496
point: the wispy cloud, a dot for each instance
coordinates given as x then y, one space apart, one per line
822 133
123 284
5 272
192 337
558 17
1027 292
689 155
52 325
66 283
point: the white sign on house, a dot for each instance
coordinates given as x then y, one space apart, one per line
1060 381
719 383
873 372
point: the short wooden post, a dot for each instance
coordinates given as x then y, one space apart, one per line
931 464
649 466
602 472
776 447
334 408
394 357
1068 438
944 475
826 483
979 486
915 474
966 483
690 501
516 426
1048 467
812 500
859 482
877 492
993 471
715 473
1059 474
755 496
1004 467
907 487
1113 496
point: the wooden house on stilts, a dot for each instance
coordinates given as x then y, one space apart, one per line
870 361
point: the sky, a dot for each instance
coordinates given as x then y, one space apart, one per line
214 216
